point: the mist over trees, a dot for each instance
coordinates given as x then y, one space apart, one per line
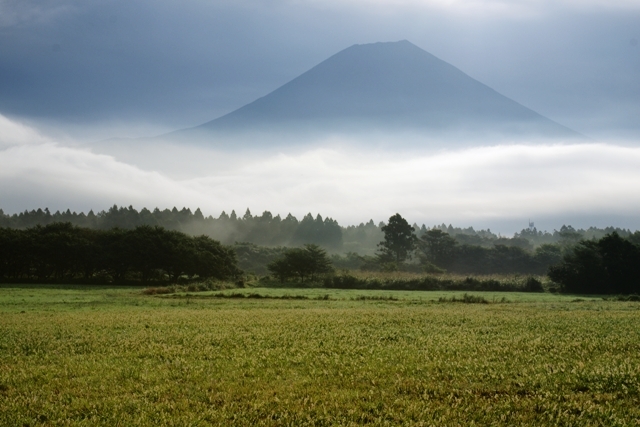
608 265
150 245
264 230
59 252
274 231
439 252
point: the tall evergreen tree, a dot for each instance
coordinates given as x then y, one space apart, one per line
399 241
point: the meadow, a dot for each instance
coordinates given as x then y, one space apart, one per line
86 356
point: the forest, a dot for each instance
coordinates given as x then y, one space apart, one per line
273 231
123 245
63 252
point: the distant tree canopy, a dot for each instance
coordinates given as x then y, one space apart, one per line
500 259
610 265
264 238
307 262
437 247
255 259
441 250
61 251
274 231
265 230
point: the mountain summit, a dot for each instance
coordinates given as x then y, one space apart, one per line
385 86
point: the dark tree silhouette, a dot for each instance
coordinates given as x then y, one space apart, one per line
610 265
308 262
60 251
399 240
437 247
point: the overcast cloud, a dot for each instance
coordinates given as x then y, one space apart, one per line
75 71
119 68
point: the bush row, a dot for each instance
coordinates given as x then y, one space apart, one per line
62 252
610 265
432 283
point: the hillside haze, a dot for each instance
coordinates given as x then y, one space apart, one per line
393 87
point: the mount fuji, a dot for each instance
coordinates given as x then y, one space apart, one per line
382 87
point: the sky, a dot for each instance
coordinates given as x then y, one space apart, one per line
76 72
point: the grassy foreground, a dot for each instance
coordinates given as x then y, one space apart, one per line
100 356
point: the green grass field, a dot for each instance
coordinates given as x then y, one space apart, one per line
75 355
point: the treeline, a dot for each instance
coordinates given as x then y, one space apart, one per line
610 265
444 255
259 240
312 263
273 231
435 283
64 252
464 259
264 230
437 250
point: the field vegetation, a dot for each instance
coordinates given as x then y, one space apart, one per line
402 337
74 355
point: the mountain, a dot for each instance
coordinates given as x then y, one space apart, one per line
385 87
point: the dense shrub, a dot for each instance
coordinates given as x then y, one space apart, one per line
532 285
432 283
610 265
309 262
60 251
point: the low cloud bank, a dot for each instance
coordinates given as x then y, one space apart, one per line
497 186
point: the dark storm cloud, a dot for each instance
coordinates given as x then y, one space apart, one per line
178 64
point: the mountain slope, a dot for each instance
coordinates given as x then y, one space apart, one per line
385 86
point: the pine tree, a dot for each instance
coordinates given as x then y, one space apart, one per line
399 240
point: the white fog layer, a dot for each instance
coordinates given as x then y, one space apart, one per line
501 186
